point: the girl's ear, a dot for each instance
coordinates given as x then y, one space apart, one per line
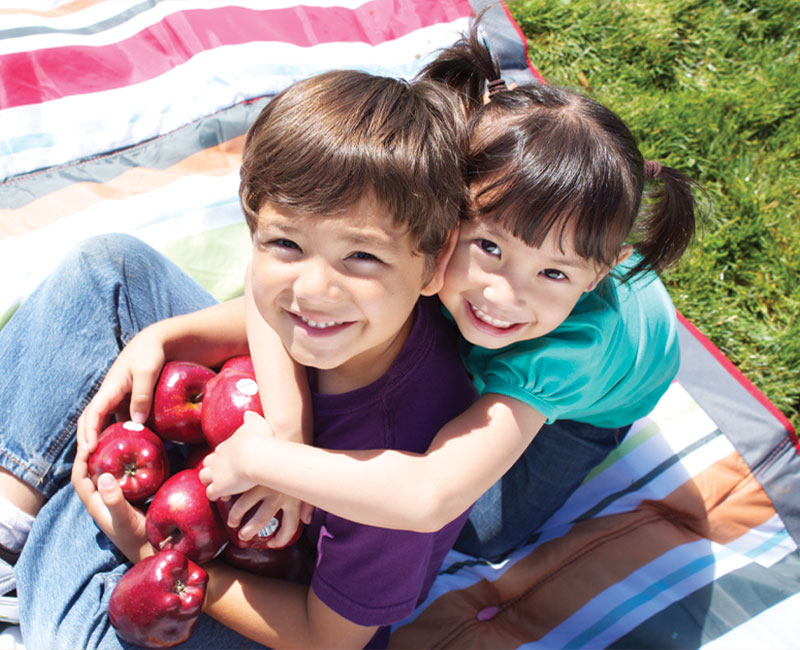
435 283
625 252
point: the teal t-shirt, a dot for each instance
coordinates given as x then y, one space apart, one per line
607 364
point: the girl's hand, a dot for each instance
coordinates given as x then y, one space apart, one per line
224 470
119 520
127 389
269 502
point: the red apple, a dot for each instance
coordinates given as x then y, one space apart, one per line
181 517
243 363
294 563
177 401
227 397
134 455
196 456
158 600
258 541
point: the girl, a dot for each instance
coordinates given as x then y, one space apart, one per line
568 333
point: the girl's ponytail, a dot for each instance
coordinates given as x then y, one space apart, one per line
465 67
667 223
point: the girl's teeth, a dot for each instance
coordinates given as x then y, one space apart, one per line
488 319
318 325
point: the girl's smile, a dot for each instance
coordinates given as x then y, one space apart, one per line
502 291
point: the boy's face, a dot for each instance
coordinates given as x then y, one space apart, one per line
502 291
339 290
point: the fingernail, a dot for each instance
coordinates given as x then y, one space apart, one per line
139 418
106 481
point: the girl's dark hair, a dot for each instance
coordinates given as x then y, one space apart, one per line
327 141
543 156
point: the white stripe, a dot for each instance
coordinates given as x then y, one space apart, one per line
776 627
97 13
85 17
703 562
70 128
190 205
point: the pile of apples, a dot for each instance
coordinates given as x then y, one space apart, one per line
157 602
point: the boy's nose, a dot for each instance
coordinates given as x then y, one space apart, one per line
318 281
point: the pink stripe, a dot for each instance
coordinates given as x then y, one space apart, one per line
43 75
739 376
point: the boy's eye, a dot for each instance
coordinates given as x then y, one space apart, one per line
489 247
284 243
553 274
365 257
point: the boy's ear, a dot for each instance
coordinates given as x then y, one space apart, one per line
435 283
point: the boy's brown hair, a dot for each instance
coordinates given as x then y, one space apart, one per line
327 141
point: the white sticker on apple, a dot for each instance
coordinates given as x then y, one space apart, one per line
270 528
247 387
130 425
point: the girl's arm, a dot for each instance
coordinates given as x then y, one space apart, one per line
283 386
394 489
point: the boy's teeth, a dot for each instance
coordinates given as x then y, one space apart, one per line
319 325
488 319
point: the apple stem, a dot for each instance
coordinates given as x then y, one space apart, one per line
167 540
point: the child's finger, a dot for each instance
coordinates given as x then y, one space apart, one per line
144 381
290 520
306 512
263 515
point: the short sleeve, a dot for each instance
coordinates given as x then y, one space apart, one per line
561 374
607 364
370 575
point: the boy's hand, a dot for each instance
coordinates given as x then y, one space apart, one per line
119 520
127 388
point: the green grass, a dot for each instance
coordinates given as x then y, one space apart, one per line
711 88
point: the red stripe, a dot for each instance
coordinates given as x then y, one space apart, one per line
47 74
738 376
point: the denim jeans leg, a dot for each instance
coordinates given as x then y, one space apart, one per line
54 353
58 346
555 463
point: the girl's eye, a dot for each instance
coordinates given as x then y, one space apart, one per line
488 247
364 257
553 274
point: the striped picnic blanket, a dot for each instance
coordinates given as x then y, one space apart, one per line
129 115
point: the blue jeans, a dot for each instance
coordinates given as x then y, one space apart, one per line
514 509
54 353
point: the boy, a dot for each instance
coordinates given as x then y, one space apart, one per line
351 186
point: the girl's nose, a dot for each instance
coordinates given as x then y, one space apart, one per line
500 291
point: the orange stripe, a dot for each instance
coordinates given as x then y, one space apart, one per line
63 10
39 213
557 578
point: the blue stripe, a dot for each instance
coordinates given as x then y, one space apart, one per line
692 568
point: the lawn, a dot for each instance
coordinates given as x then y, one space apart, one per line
713 89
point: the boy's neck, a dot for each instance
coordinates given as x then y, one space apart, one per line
365 369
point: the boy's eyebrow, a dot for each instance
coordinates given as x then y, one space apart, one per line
376 238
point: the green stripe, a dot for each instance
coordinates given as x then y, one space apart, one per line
215 259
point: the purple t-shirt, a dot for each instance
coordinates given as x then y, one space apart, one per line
371 575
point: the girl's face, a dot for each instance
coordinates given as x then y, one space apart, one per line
501 291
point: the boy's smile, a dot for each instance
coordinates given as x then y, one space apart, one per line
339 290
501 291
